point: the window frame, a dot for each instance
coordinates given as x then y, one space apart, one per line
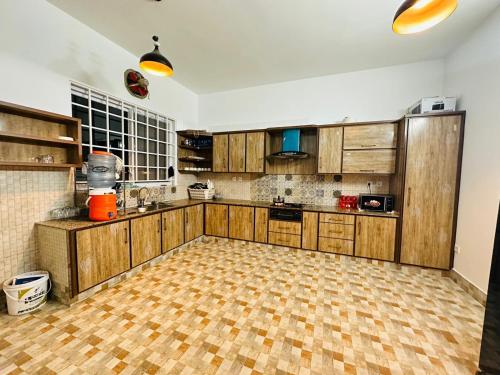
132 117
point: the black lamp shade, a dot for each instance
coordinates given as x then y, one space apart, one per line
414 16
155 63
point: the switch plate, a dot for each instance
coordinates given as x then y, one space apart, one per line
458 249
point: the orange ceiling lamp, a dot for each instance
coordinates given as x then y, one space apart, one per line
414 16
155 63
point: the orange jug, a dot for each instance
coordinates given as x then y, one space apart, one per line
102 204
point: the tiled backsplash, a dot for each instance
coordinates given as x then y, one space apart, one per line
25 198
307 189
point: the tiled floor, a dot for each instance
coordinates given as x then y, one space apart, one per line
230 308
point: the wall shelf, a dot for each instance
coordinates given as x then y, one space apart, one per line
185 152
26 133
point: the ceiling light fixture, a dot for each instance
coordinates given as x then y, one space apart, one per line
414 16
155 63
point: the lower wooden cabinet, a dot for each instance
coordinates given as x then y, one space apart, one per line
173 229
310 230
216 220
241 223
146 238
375 237
261 219
193 222
102 252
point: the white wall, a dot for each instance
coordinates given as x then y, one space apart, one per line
377 94
42 48
473 74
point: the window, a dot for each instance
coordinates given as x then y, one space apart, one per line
143 139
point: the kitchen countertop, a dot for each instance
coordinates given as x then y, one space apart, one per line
83 222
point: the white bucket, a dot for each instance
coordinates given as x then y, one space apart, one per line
25 294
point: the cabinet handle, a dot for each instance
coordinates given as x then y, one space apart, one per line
336 231
409 197
359 229
164 224
368 145
367 170
159 225
126 236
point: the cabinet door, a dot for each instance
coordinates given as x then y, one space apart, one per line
370 136
255 152
241 223
430 190
330 150
369 161
220 153
216 221
310 230
102 252
193 222
146 238
261 218
237 144
173 229
375 237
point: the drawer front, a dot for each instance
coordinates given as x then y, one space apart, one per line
369 161
290 227
345 232
336 219
284 239
335 245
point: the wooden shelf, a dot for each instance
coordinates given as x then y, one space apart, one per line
191 171
195 148
193 134
188 160
36 139
37 165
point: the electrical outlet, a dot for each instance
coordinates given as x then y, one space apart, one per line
240 178
378 184
234 178
458 249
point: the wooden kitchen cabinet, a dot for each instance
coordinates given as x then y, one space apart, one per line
173 229
370 136
220 153
369 161
102 252
431 190
216 220
255 144
261 219
193 222
330 150
145 234
237 152
375 237
310 230
241 223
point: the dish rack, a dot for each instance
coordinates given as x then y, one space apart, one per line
201 193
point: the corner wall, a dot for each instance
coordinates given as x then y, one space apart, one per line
472 72
376 94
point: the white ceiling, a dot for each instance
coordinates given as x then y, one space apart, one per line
217 45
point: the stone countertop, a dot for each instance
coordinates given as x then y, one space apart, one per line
83 222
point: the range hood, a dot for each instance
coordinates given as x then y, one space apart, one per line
290 146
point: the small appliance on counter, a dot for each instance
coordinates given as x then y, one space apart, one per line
380 203
102 204
433 104
348 201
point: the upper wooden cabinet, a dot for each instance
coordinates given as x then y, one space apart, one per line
193 222
375 237
146 238
241 223
102 252
216 220
370 136
237 151
220 153
330 150
431 190
173 229
255 152
369 161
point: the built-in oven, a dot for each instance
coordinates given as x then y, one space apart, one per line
285 214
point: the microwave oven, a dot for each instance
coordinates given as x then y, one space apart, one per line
381 203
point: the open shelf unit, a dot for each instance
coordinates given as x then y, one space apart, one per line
26 133
194 143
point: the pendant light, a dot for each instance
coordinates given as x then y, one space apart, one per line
414 16
155 63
